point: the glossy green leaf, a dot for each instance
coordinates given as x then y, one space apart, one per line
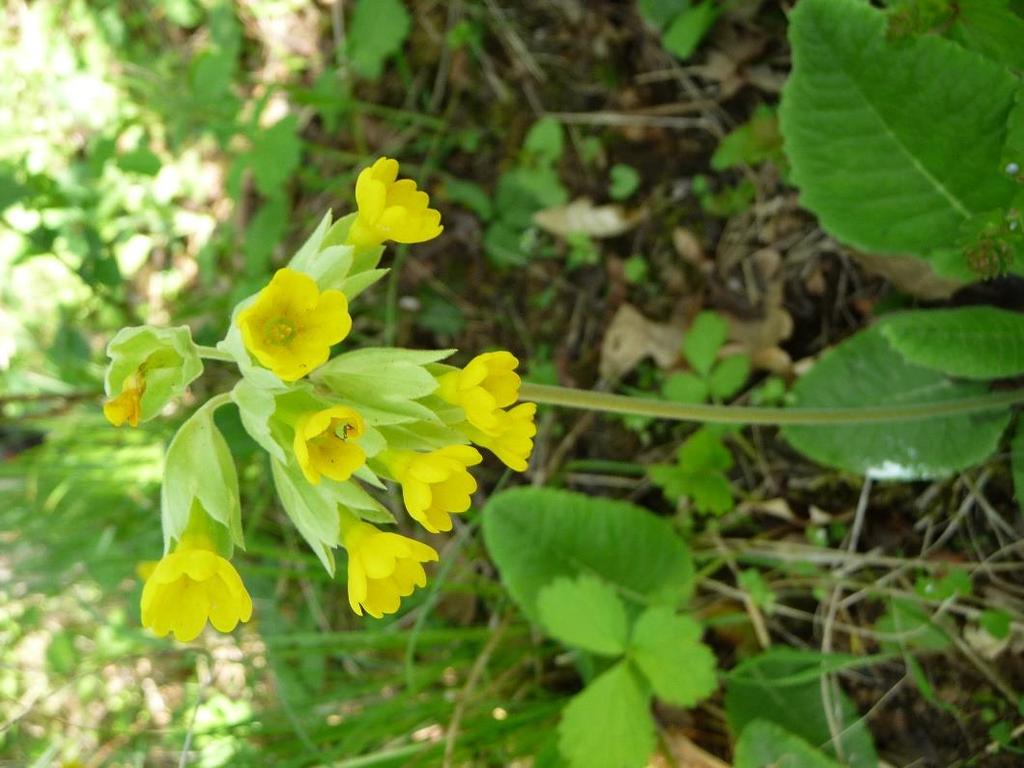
893 144
865 370
608 724
585 613
992 29
970 342
536 535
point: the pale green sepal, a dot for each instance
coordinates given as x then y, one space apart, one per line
365 256
331 267
356 283
199 468
351 495
369 477
256 405
312 508
372 442
422 436
316 241
383 383
168 359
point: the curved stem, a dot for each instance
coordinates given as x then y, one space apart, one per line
735 414
212 353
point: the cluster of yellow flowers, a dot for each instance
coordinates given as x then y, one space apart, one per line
368 414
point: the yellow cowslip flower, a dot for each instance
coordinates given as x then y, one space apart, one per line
127 406
391 208
292 324
190 585
324 443
436 484
487 384
513 441
382 568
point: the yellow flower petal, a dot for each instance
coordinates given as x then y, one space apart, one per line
324 443
435 485
382 568
391 208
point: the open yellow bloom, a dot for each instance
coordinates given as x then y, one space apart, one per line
513 441
391 208
325 443
189 586
487 384
127 406
435 484
291 326
382 568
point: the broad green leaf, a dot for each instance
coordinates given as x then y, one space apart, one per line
535 535
255 407
728 377
199 469
1017 463
705 337
313 511
544 141
783 686
667 649
763 743
275 155
585 613
1013 152
892 144
970 342
378 30
865 370
992 29
608 724
622 181
688 28
685 387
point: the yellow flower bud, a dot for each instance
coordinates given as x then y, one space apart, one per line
291 325
325 443
513 441
127 406
486 385
391 208
190 585
436 484
382 568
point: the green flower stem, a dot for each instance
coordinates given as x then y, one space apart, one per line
734 414
212 353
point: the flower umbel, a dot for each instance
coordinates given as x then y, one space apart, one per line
292 324
391 208
127 406
382 568
325 443
190 585
513 441
487 384
436 484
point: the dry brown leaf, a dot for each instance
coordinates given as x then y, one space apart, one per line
631 337
760 337
684 753
582 216
689 248
777 507
910 274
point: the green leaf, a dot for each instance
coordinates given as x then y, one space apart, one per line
584 612
255 407
865 370
893 145
313 511
199 469
661 12
623 181
970 342
688 28
685 387
545 140
990 28
783 685
754 142
263 234
141 160
668 650
699 473
706 336
996 622
728 377
1017 463
535 535
469 195
908 626
377 32
608 724
275 155
763 743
